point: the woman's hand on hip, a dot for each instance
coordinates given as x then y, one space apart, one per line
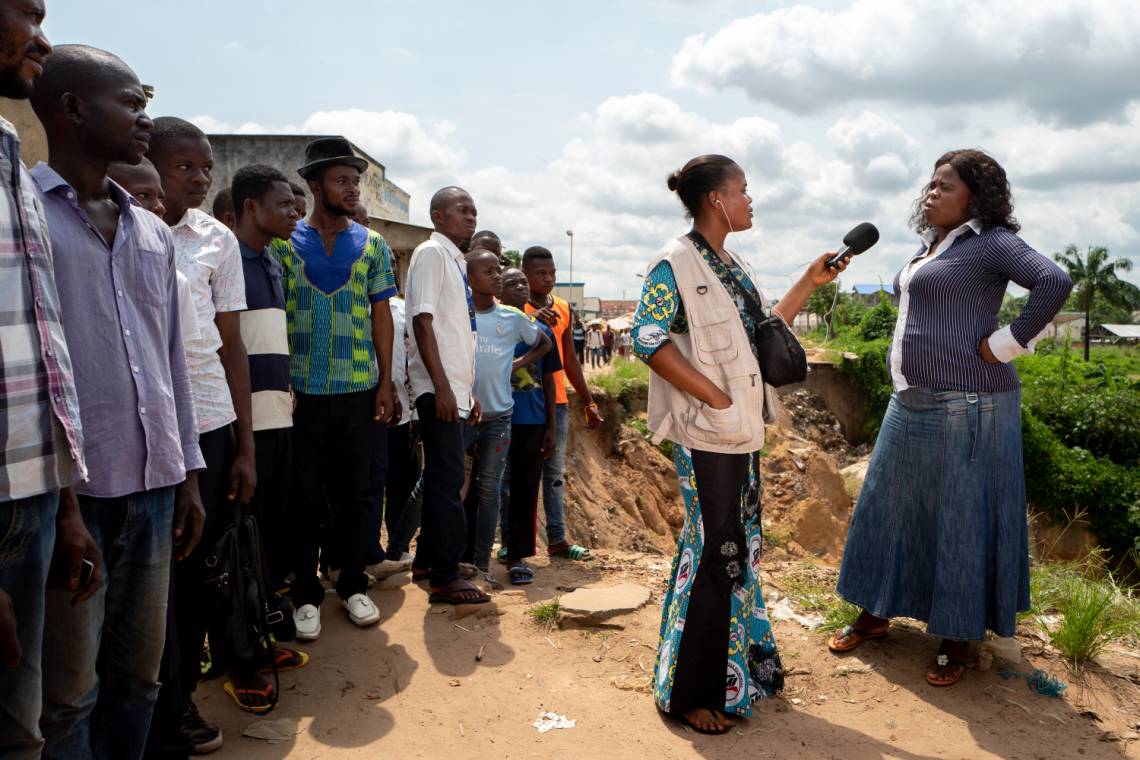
987 354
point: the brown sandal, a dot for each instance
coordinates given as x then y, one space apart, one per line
946 672
851 637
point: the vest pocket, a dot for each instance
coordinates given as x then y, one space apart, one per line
712 334
718 425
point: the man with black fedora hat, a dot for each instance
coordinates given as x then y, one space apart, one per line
337 276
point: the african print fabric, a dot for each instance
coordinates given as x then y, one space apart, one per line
727 568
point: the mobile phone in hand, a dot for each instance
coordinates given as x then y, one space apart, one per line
86 570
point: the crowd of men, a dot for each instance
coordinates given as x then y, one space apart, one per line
165 372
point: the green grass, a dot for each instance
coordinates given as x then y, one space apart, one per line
812 589
622 377
545 614
1094 608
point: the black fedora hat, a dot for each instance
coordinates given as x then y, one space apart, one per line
330 151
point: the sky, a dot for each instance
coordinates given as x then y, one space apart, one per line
571 116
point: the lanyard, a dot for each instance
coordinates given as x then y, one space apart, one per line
470 298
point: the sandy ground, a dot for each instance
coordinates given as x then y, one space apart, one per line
411 688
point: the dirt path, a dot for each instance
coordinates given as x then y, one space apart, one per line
411 688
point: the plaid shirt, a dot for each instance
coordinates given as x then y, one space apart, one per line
41 442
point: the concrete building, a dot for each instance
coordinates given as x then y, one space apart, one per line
386 201
611 309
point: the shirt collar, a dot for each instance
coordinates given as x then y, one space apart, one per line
50 180
975 225
196 220
448 246
249 253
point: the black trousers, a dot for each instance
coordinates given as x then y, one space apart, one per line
580 351
333 437
270 502
526 476
193 607
443 530
379 468
700 671
403 472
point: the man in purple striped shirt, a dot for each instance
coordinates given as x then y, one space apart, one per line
116 277
41 443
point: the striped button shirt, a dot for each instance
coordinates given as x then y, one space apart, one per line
41 442
950 300
266 340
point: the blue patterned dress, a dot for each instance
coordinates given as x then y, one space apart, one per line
688 656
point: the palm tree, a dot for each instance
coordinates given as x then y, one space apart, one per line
1093 276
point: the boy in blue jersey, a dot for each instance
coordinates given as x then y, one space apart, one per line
498 330
532 437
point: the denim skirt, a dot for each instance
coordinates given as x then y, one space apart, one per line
939 533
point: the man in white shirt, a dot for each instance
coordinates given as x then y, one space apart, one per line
441 368
207 253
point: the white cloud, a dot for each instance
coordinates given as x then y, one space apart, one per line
1073 61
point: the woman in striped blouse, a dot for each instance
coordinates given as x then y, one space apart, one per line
939 532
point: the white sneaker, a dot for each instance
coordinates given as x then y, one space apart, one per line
361 610
307 620
383 569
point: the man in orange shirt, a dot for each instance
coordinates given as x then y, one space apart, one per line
538 265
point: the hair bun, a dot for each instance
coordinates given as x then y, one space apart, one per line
674 180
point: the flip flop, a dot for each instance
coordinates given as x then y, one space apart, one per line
501 555
855 637
468 595
237 695
946 672
493 584
287 659
569 551
520 574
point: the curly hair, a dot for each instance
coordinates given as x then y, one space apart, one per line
990 198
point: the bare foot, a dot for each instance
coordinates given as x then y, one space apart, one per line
707 721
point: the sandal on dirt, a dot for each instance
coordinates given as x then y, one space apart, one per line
489 579
570 551
501 555
520 574
256 701
946 672
854 637
465 594
287 659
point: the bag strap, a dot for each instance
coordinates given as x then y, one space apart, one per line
751 299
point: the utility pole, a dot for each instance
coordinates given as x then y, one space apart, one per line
570 234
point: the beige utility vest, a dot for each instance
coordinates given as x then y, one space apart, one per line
717 345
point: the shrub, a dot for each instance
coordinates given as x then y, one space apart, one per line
1061 480
879 322
1104 421
873 380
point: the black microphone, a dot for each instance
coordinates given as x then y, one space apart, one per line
860 238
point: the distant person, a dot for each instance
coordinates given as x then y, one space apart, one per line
223 208
579 335
533 427
42 445
499 329
300 200
337 278
595 343
538 265
939 532
488 241
607 344
142 182
361 215
441 368
136 407
623 343
695 328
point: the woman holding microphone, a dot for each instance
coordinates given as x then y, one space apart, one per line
695 328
